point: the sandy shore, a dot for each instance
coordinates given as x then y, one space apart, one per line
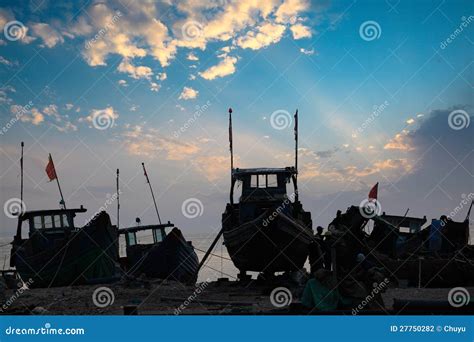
169 298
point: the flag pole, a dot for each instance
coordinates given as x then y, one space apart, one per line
21 176
57 180
152 195
118 200
231 148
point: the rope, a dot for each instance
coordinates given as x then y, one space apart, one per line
216 255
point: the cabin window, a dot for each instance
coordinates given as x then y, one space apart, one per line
57 221
131 239
65 221
253 181
157 235
48 222
272 181
38 222
262 182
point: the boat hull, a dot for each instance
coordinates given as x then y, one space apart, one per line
173 258
263 245
85 256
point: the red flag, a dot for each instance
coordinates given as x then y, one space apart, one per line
50 170
373 192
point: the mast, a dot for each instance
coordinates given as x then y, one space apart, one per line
152 195
231 148
296 156
21 177
118 200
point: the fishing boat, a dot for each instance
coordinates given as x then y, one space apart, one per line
57 253
267 230
163 252
167 256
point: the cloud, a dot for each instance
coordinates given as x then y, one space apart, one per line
192 57
307 52
33 116
264 35
49 35
150 143
135 72
188 94
6 62
122 83
289 9
213 167
225 67
401 141
300 31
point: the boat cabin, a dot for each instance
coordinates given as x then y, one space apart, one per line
263 184
159 232
48 222
405 224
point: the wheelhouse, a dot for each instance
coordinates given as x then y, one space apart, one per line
158 233
48 221
264 183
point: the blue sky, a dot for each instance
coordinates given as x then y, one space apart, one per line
161 76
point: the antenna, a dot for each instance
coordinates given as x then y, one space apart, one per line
296 156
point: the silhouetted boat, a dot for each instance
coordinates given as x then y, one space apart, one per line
169 256
57 253
267 230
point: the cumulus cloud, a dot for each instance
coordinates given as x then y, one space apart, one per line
139 30
225 67
300 31
36 117
135 72
188 94
307 52
401 141
48 35
264 35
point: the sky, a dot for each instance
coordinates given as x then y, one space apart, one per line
384 91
